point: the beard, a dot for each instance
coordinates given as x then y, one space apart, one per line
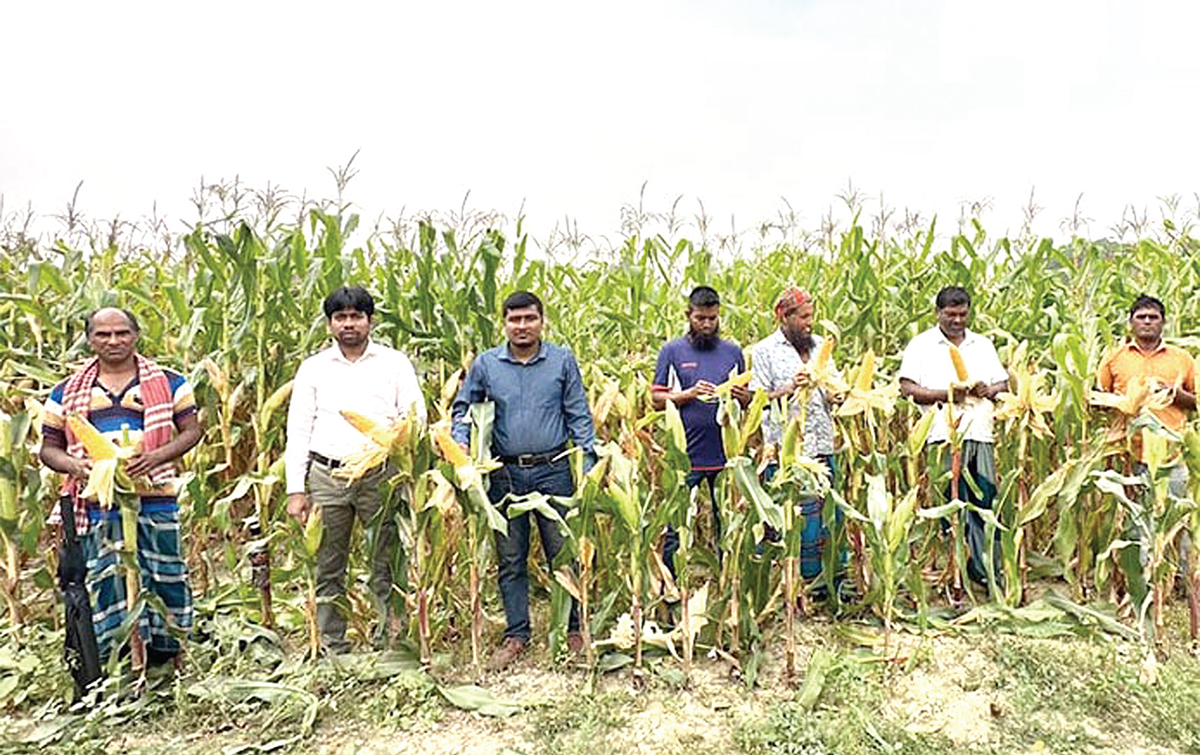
802 342
704 341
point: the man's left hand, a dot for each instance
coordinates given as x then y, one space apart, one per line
142 462
741 393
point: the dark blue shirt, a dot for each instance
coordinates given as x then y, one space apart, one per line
540 404
680 366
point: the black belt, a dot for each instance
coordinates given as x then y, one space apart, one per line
533 460
331 463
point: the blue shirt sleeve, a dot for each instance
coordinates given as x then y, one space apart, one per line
662 370
473 390
575 407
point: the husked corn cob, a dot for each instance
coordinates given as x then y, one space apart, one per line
866 373
736 380
960 367
451 451
98 447
824 353
368 427
726 389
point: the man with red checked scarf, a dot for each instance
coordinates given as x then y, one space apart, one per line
128 397
780 363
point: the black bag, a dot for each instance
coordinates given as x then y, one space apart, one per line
80 649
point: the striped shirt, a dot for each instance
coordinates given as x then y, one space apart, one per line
118 416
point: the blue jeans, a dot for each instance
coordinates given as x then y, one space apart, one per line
671 537
512 547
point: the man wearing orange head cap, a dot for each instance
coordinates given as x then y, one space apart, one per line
780 366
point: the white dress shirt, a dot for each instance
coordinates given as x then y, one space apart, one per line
927 363
381 385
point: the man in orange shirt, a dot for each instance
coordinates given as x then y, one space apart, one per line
1171 367
1146 354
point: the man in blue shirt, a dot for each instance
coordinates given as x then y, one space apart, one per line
540 406
688 368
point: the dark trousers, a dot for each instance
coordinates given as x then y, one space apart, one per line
671 537
978 461
512 548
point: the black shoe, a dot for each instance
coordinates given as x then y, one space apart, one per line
158 657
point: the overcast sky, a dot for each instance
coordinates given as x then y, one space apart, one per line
570 107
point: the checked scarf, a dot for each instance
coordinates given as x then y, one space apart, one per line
158 423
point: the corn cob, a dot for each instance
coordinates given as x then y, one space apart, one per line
274 401
866 373
960 367
98 447
736 380
451 451
824 353
369 427
726 389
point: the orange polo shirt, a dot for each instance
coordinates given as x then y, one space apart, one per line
1167 363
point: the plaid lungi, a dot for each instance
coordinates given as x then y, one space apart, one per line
163 574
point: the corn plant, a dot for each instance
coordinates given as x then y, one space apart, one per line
799 478
1156 517
20 486
887 523
234 303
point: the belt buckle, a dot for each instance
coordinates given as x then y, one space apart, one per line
525 461
325 461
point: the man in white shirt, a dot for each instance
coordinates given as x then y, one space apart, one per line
928 377
355 374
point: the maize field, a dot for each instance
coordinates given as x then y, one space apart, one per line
234 303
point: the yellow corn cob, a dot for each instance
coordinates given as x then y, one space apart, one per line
98 447
866 373
369 427
824 353
726 389
451 451
741 379
960 367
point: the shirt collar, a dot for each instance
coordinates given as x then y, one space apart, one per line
968 337
780 339
335 353
1131 345
507 357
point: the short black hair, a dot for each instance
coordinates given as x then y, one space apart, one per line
952 296
1146 301
703 296
133 323
521 300
349 297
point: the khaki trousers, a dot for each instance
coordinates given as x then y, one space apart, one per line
340 504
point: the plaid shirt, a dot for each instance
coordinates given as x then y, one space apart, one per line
774 362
